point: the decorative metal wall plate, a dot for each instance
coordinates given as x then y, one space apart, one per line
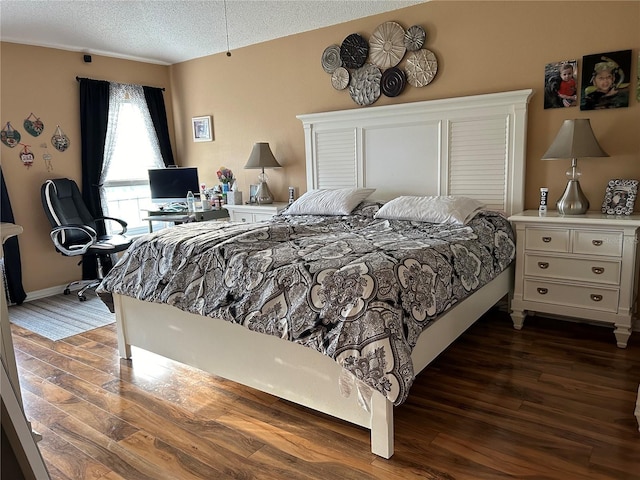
9 135
340 78
421 67
59 140
393 82
354 51
414 38
33 125
26 156
386 45
331 58
364 86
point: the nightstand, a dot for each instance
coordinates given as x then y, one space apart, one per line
251 213
583 266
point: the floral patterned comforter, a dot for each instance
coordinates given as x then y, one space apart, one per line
357 289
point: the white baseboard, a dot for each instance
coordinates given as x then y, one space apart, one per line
48 292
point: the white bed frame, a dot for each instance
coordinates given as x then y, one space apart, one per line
473 146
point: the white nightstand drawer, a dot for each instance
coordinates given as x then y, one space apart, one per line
262 217
548 240
594 242
593 298
589 270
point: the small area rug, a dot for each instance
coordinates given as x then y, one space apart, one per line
61 316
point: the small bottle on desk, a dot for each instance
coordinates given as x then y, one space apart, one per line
191 202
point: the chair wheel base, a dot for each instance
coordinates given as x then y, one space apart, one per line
82 298
66 291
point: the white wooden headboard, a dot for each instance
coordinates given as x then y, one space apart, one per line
473 146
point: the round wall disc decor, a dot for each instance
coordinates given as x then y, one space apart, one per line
364 86
331 58
421 67
340 78
414 38
354 51
386 45
393 82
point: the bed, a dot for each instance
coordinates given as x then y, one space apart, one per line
468 147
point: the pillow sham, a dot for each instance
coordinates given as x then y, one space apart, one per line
451 209
328 202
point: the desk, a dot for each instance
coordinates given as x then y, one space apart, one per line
183 216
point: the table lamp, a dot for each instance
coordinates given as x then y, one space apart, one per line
575 139
262 157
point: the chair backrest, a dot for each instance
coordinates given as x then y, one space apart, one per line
63 205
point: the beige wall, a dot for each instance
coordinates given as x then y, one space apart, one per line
255 95
43 81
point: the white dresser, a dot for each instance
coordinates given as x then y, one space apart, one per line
253 212
583 266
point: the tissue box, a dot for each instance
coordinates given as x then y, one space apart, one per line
234 198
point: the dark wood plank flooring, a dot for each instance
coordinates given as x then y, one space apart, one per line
553 401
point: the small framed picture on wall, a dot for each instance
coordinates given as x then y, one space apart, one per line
201 127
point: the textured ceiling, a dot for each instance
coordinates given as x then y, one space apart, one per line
172 31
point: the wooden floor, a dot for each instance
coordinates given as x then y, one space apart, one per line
553 401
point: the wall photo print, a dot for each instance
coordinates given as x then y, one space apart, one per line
605 80
561 84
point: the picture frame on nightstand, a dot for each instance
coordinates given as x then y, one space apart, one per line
253 191
620 197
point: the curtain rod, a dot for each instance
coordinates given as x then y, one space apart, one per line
83 78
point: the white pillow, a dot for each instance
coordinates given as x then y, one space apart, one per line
455 210
329 202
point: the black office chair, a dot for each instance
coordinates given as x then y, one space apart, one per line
74 230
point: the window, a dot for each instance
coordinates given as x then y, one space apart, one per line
131 148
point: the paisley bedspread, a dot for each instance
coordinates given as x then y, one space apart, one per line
357 289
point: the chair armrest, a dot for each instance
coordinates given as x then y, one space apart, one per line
122 223
75 249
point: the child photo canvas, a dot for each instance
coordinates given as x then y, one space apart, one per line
605 80
561 84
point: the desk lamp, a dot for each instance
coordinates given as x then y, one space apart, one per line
575 139
262 157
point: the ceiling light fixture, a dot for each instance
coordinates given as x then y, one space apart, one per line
226 27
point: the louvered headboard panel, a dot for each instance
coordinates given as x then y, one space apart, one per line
473 146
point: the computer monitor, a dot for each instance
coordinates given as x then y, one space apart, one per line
170 185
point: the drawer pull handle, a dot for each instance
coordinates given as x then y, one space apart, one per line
596 243
546 239
542 290
597 270
595 297
543 265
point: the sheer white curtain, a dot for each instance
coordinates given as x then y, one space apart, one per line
131 148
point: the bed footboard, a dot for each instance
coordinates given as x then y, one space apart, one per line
269 364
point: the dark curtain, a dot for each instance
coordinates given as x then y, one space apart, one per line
94 115
155 103
12 264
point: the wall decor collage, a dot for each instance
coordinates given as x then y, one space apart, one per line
32 124
371 67
605 82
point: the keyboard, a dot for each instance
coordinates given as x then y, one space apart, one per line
174 207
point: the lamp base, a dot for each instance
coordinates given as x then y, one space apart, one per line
573 200
263 195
